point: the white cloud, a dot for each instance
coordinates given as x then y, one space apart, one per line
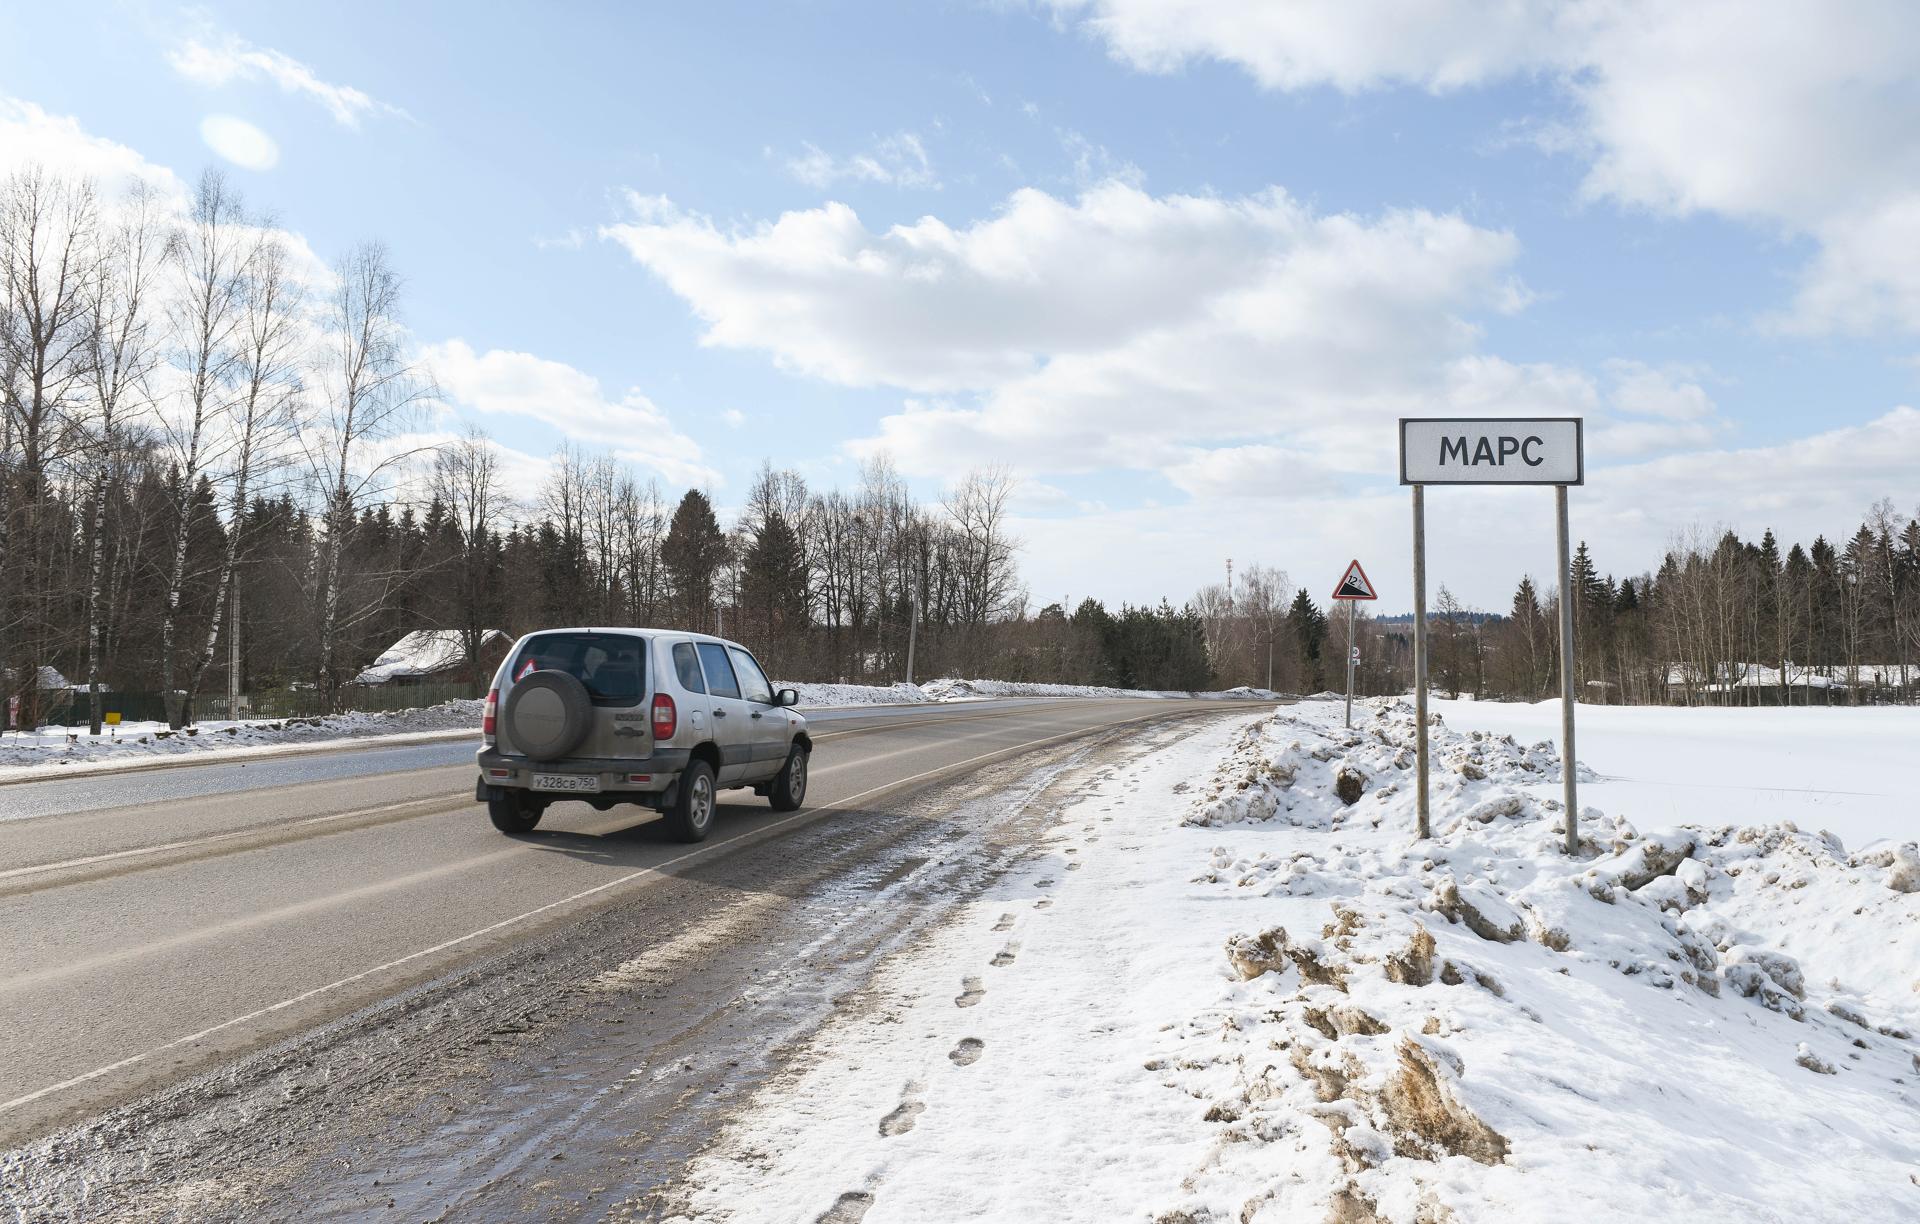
29 136
734 418
232 59
899 160
1800 117
240 142
1247 343
1481 540
500 382
934 308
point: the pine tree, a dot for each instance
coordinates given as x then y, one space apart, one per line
773 583
1309 626
693 554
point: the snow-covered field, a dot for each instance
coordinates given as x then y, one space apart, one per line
1224 994
1846 769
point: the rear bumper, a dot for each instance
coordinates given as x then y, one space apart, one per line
618 775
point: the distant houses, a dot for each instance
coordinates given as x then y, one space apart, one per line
426 656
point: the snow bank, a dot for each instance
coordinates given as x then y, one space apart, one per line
1699 1022
1231 985
946 690
71 745
960 690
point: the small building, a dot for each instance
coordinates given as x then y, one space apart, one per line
427 655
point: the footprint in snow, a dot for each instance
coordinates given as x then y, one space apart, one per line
1043 903
1002 958
849 1208
967 1052
1005 923
972 990
1074 866
901 1120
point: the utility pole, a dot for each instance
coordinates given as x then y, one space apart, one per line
913 630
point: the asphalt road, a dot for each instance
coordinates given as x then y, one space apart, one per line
166 923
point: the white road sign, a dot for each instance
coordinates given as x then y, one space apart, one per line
1492 450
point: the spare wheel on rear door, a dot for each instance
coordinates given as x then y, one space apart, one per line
548 713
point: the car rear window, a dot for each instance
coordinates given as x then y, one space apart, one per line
613 666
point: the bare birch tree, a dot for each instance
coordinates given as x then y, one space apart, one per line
268 347
123 348
48 245
207 292
371 391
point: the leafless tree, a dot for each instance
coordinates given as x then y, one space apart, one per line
466 480
123 348
263 413
370 392
206 297
48 251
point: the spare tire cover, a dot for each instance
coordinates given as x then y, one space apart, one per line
548 713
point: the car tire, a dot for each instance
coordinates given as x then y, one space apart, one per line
515 812
789 788
690 818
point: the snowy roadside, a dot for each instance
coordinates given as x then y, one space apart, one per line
1221 993
948 690
130 743
27 753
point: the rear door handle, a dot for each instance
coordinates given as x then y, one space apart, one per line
756 713
719 713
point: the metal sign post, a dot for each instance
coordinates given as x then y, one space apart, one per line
1498 451
1354 587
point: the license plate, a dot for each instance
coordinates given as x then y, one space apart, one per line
566 782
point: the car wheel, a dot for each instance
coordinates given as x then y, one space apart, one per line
789 788
514 812
691 817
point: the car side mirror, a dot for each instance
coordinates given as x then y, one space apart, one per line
787 697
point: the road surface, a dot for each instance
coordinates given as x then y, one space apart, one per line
238 983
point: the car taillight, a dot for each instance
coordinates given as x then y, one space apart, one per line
665 717
486 715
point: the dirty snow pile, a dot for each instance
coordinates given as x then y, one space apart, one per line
138 740
1689 1022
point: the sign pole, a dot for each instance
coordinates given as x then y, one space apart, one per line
1351 651
1420 644
1570 784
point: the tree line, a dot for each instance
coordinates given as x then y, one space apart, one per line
1720 621
205 477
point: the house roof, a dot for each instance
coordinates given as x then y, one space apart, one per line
424 652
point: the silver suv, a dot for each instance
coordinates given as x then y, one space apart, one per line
650 716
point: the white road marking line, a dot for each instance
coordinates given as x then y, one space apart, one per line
656 869
268 829
213 838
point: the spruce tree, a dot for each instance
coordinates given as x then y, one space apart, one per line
692 554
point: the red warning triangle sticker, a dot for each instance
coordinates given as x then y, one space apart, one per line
1354 584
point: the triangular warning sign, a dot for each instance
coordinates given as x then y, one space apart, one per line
1354 584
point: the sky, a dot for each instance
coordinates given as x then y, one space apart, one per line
1179 265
